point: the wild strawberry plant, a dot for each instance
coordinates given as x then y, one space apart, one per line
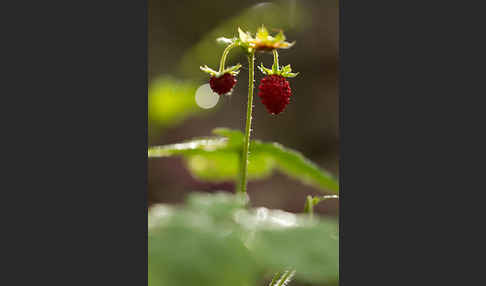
218 239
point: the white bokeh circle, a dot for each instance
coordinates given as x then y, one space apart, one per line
205 97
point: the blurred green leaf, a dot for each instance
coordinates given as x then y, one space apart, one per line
171 101
216 159
313 251
193 147
184 255
214 240
223 166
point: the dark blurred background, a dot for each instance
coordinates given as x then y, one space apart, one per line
182 37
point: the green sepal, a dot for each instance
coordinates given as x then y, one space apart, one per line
233 70
280 37
285 71
262 41
208 70
290 74
262 33
264 70
244 37
225 41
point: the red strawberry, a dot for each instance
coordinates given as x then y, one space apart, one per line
223 84
275 92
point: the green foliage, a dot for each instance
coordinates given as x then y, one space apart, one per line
215 240
171 101
233 70
216 159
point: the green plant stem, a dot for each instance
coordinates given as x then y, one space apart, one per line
280 280
285 277
249 109
309 206
312 201
224 56
274 279
275 61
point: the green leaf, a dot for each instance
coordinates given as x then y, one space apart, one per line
294 164
214 240
171 101
235 137
197 146
195 244
224 166
181 255
216 159
313 251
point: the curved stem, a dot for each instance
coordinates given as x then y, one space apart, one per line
275 61
246 140
223 57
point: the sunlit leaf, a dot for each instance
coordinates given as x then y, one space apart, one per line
197 146
294 164
216 159
224 166
214 240
313 251
181 255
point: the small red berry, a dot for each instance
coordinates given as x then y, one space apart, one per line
223 84
275 92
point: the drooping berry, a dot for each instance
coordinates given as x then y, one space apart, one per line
223 84
275 92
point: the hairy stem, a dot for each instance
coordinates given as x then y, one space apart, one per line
275 61
284 278
224 56
246 140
